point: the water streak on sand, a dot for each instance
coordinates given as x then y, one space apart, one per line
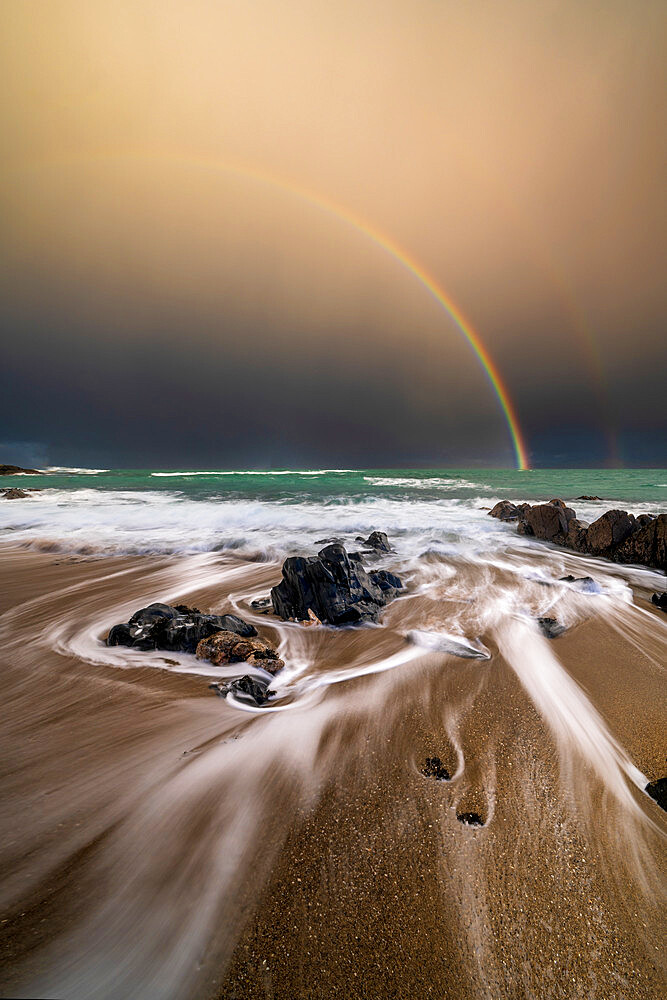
162 843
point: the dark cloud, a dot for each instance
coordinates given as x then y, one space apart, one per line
159 309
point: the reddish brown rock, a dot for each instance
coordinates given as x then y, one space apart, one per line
228 647
505 510
546 521
576 537
647 546
609 531
616 535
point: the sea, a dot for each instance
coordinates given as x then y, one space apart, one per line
269 514
158 822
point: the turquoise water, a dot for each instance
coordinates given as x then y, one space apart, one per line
268 514
631 485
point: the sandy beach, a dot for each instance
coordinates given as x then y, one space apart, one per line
333 500
158 841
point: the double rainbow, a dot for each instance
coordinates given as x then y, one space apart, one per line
379 238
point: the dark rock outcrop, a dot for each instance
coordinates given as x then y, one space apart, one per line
14 494
550 627
615 535
660 600
376 540
388 582
261 604
178 628
433 768
16 470
586 496
658 791
253 690
334 586
229 647
646 546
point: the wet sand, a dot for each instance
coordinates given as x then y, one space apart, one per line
157 841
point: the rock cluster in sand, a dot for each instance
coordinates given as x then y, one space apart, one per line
179 628
334 586
228 647
615 535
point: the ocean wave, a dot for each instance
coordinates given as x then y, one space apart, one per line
64 469
425 484
423 527
153 521
247 472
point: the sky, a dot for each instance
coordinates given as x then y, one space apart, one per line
198 198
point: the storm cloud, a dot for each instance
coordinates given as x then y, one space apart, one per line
182 284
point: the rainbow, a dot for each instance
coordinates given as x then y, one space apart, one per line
383 241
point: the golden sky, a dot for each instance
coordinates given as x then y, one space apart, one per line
516 149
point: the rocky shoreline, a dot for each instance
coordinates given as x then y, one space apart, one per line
332 588
616 535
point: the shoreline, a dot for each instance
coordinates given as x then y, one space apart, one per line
307 843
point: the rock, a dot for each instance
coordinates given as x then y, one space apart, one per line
470 818
546 521
253 690
550 627
388 583
433 768
185 632
176 628
647 546
123 635
376 540
658 791
336 588
504 510
616 535
586 497
16 470
229 647
577 535
15 494
154 613
660 600
261 603
609 531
